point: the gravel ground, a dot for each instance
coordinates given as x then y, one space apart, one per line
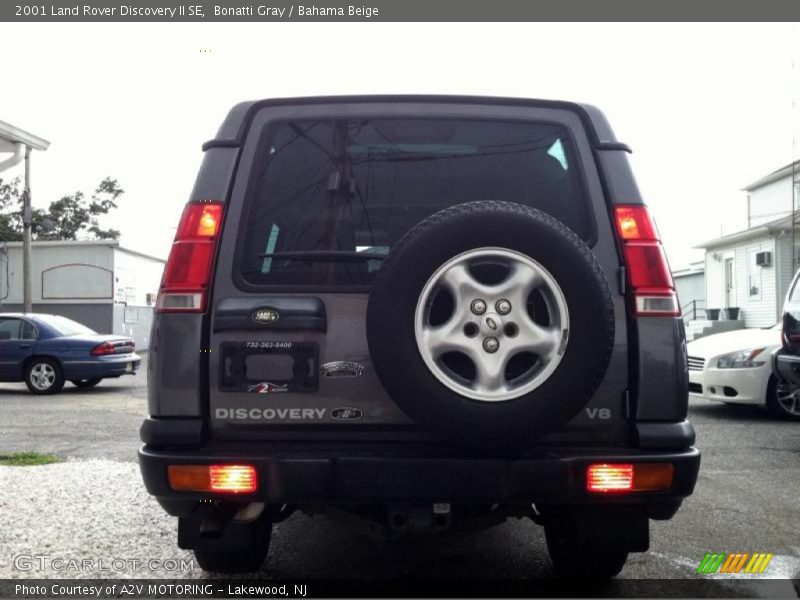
84 509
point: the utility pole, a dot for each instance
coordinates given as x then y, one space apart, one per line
26 236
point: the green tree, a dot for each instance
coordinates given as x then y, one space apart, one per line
70 217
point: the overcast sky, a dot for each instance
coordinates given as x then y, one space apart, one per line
707 108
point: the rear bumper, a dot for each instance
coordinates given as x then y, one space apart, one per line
381 475
102 366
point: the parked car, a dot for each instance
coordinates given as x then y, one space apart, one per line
735 367
418 313
786 359
45 351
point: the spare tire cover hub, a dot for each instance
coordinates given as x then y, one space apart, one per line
509 335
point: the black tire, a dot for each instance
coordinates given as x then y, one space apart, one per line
34 366
575 560
86 383
774 406
401 368
242 549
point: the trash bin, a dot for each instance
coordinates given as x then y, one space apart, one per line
732 313
712 314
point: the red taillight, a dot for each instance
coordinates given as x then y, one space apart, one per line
648 271
609 478
627 477
199 221
188 271
102 349
230 479
635 223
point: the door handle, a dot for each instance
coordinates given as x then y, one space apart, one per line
22 346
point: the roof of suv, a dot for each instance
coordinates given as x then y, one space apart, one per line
234 128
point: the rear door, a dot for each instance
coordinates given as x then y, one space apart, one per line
17 337
322 192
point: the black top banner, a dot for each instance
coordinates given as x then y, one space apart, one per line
399 10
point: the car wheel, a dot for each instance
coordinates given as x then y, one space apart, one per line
86 383
243 548
479 320
44 376
783 400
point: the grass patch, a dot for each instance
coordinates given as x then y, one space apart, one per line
27 459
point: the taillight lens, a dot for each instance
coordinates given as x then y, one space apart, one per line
230 479
103 349
609 478
646 262
628 477
188 272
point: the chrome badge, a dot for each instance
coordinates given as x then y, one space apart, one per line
342 368
265 315
346 413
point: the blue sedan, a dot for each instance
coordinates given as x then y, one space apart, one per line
44 351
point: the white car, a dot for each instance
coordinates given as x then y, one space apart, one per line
735 368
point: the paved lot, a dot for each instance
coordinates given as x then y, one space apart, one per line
747 499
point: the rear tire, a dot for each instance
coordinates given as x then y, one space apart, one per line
242 548
43 376
86 383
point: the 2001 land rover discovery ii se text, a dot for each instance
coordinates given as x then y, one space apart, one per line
424 312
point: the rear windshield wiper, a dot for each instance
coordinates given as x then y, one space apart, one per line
325 256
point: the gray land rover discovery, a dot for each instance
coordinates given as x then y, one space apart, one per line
424 312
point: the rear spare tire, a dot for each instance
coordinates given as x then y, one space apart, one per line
490 323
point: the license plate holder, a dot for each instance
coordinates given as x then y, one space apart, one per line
269 367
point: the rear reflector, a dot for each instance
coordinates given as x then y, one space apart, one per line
648 270
191 260
229 479
626 477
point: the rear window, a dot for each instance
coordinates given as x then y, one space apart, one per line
325 191
64 326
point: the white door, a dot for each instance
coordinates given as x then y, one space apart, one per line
730 284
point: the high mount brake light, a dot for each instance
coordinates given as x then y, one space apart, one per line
646 262
188 271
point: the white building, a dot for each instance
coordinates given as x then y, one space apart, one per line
98 283
752 269
690 283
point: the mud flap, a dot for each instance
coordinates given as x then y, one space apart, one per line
620 527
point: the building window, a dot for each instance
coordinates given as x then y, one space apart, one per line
753 275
